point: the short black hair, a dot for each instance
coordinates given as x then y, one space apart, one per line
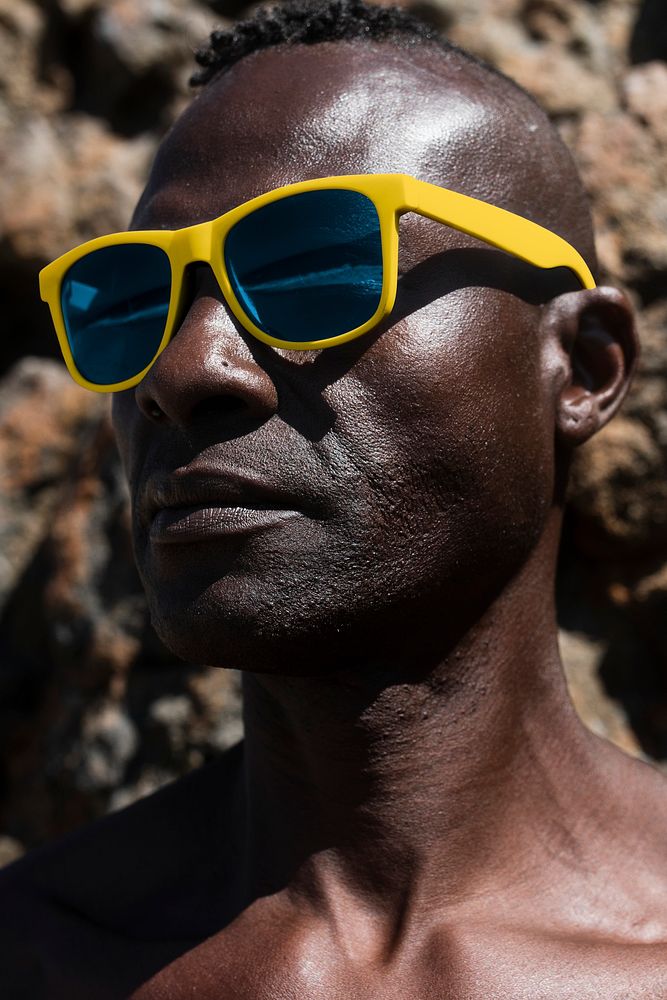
308 22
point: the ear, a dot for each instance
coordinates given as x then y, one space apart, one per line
595 335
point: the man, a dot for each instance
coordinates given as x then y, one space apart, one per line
370 534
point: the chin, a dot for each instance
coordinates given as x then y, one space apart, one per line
290 639
263 636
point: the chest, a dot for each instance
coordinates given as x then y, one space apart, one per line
213 971
78 959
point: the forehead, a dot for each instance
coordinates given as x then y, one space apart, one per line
292 113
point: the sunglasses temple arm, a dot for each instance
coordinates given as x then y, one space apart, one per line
498 227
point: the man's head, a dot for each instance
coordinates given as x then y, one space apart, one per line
425 462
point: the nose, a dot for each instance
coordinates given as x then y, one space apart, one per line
207 365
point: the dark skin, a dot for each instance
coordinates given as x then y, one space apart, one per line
416 811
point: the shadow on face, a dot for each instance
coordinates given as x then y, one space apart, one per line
435 277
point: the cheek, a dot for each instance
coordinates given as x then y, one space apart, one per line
448 416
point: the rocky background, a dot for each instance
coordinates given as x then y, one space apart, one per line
94 711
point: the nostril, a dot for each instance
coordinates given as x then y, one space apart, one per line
154 411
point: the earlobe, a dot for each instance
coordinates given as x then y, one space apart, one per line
595 334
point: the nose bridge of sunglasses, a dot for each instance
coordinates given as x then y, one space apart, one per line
197 243
197 253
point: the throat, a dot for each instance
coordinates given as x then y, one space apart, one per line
399 793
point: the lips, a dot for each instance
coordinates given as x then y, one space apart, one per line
208 488
178 525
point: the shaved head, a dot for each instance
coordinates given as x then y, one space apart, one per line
422 109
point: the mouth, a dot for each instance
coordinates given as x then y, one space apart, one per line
200 505
202 522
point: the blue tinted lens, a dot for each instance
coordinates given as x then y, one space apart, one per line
309 266
115 303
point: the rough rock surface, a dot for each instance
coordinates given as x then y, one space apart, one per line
94 711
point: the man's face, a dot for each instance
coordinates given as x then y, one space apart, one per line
418 459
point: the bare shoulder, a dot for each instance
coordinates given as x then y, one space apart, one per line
50 950
115 866
96 912
593 924
623 869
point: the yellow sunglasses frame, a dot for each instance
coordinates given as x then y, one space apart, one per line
392 194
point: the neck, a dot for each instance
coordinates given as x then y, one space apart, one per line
364 791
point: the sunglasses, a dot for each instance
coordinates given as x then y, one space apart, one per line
306 266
